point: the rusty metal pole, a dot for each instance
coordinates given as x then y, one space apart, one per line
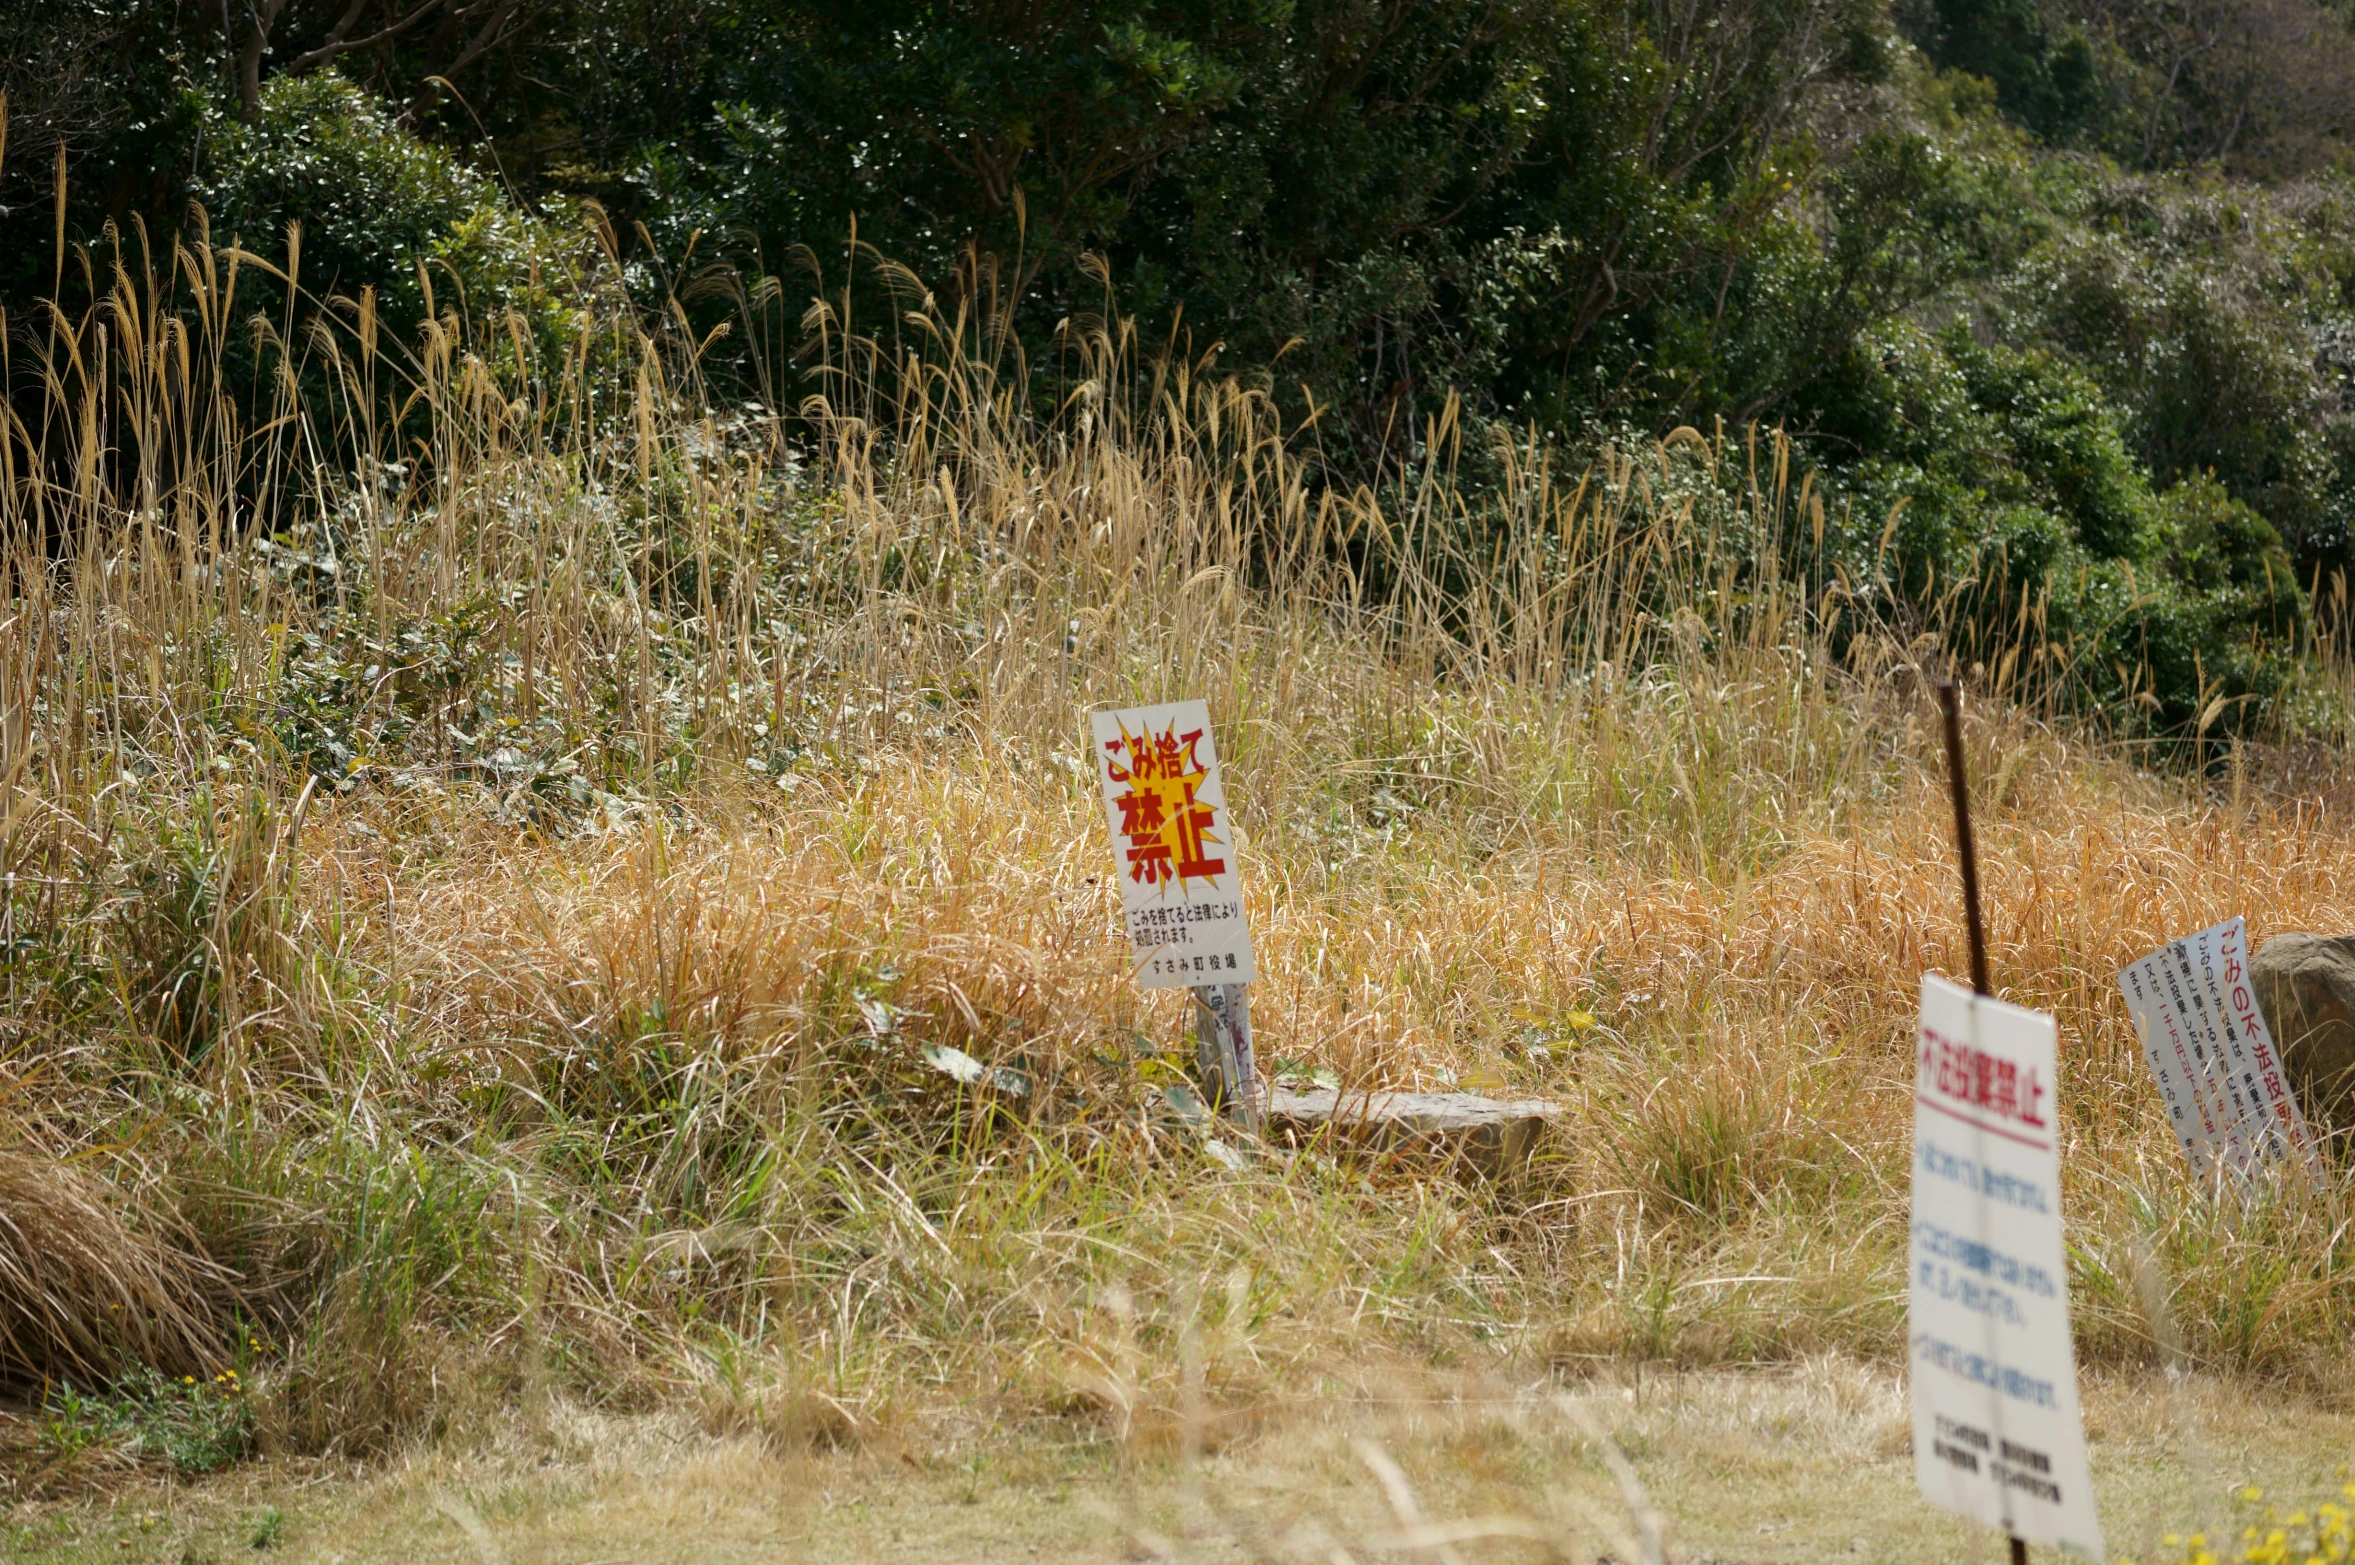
1950 702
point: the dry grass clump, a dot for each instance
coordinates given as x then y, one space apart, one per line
85 1291
506 894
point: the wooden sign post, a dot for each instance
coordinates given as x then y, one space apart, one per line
1181 889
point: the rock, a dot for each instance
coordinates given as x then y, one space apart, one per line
1491 1135
2306 987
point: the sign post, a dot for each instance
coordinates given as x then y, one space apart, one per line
1997 1433
1181 890
1222 1050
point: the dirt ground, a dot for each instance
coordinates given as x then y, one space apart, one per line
1788 1464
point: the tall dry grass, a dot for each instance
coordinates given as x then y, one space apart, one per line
488 839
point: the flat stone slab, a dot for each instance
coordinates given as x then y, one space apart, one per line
1494 1135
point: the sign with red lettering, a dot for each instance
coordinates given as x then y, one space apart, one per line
1181 888
1997 1435
2215 1061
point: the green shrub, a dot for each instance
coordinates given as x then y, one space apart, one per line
2211 316
378 208
2225 623
2004 488
2044 73
1981 444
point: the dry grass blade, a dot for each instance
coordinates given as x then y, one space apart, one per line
1650 1543
1412 1523
470 1522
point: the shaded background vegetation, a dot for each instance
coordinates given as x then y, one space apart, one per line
2058 296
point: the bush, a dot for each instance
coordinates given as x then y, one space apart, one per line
2046 76
2212 318
378 208
2226 620
1977 442
2016 512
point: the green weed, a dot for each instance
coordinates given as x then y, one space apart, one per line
190 1425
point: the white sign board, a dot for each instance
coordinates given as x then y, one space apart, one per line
1180 883
1997 1436
2212 1054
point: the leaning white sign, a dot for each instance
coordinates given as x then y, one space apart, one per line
2212 1055
1180 881
1997 1435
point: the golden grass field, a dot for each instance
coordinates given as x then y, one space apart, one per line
473 930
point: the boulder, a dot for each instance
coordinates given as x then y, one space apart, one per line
1490 1135
2306 986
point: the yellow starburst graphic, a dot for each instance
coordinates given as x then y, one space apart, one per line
1166 826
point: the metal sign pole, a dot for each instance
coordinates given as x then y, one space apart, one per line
1950 703
1222 1051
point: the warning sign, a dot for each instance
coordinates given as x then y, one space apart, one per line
2212 1055
1997 1436
1180 883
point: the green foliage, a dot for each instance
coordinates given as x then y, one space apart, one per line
1556 213
2259 87
1372 207
1959 429
2225 621
2004 493
377 208
111 82
2044 72
1900 222
167 931
2212 318
194 1426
